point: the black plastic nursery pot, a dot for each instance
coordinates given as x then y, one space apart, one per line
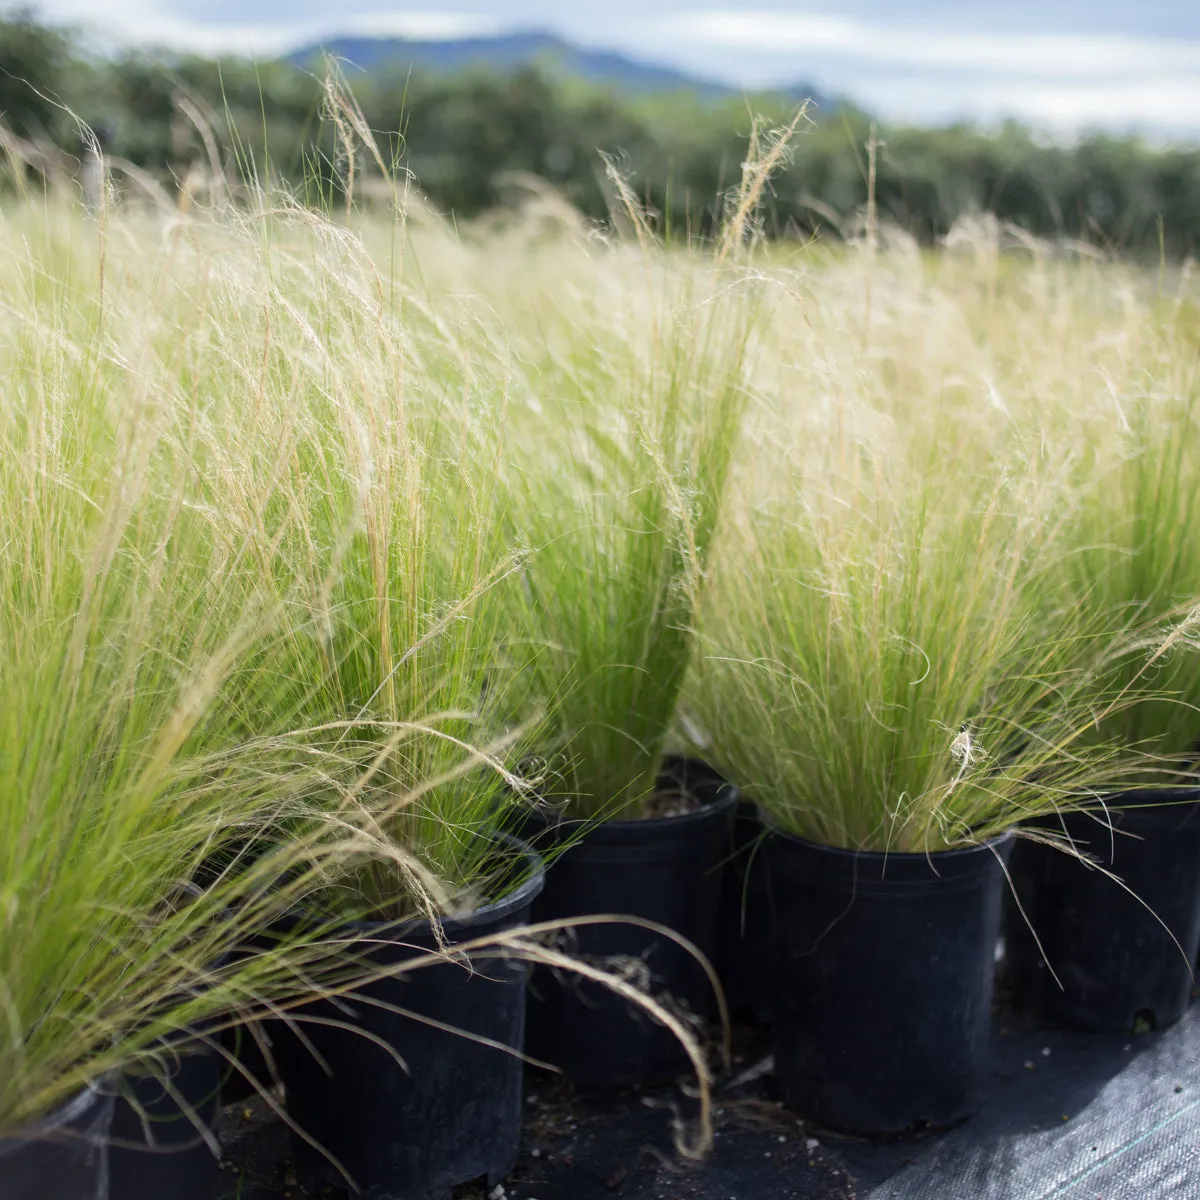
452 1113
1123 962
883 989
62 1157
668 870
157 1149
744 956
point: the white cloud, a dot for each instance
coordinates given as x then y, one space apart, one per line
897 43
934 73
1167 108
1171 103
145 21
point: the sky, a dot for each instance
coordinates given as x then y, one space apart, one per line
1064 65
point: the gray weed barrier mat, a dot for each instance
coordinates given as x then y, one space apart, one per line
1066 1115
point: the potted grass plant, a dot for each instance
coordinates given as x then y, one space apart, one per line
119 771
879 677
377 512
618 501
1106 939
104 686
413 1084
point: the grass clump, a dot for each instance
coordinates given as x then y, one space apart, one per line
883 668
619 503
127 651
1136 567
640 398
362 484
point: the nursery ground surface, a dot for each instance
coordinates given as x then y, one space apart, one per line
1066 1115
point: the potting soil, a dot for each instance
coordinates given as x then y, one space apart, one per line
1066 1115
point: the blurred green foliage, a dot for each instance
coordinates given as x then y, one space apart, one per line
458 134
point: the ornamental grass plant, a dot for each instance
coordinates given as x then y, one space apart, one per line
876 673
131 650
366 483
637 393
619 509
1136 569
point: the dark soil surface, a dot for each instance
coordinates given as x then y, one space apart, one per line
579 1146
671 801
1067 1115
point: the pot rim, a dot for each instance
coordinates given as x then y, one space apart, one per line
773 827
496 910
727 800
1144 797
74 1109
1145 808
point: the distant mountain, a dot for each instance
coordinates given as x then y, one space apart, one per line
510 52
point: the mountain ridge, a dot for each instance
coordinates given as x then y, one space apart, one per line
512 51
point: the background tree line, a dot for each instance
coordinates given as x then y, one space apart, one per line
460 134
